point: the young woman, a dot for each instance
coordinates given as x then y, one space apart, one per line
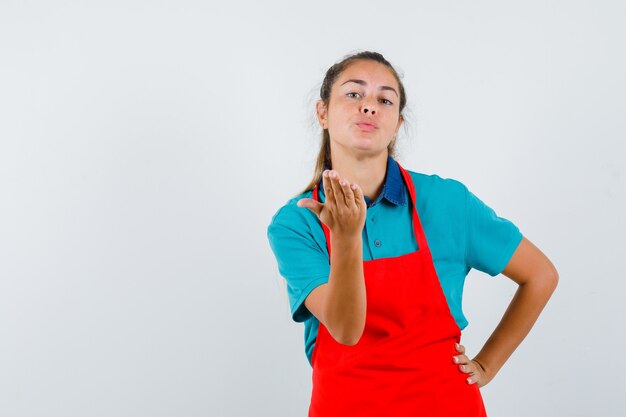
375 257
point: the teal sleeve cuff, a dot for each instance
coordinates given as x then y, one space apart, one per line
299 312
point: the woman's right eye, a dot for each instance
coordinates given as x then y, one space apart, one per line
351 93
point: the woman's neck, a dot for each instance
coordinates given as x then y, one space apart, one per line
368 172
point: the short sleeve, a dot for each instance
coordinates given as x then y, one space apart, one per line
491 240
301 254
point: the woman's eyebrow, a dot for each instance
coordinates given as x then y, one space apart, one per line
382 87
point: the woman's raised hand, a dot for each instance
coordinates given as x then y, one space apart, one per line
345 208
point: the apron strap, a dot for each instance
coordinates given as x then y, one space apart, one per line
420 236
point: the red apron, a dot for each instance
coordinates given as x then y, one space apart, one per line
402 365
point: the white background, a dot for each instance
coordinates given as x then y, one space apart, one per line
144 147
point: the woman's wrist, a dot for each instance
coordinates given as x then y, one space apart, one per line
480 364
484 365
346 239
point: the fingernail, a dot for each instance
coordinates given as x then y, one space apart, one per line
455 359
353 187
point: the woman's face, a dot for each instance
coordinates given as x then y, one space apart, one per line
364 112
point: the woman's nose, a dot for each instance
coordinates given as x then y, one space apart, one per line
368 109
368 104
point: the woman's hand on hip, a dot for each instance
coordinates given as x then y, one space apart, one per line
344 209
475 371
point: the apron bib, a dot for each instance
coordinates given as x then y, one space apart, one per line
402 365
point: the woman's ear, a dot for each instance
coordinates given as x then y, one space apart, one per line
400 121
322 115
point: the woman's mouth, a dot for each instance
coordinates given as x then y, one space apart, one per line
366 126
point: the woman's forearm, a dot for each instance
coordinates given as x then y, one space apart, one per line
524 309
345 302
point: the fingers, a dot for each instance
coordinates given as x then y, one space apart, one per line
465 365
348 194
480 376
358 195
328 189
470 368
340 198
311 204
345 209
473 369
342 191
461 359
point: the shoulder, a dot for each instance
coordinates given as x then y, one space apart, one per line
290 216
290 212
436 188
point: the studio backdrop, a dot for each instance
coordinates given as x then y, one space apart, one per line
144 148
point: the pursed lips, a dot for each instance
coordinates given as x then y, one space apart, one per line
366 126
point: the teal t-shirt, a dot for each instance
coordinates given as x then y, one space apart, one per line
462 233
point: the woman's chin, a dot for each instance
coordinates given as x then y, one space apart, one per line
364 139
364 142
368 143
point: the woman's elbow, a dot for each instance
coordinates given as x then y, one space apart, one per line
350 341
349 337
548 280
554 279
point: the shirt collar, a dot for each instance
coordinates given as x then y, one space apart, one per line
393 191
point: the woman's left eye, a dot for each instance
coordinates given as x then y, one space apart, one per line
388 102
